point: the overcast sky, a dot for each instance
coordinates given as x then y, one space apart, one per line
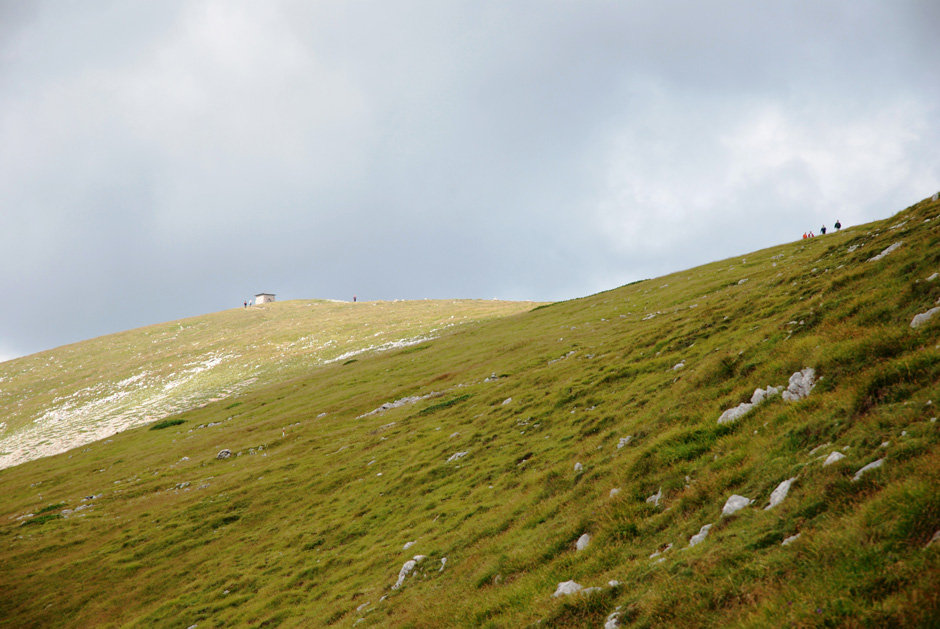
163 159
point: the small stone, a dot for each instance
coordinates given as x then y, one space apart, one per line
800 385
790 539
871 466
583 542
578 467
624 441
567 588
886 252
699 537
614 491
832 458
457 455
924 317
655 498
734 504
223 454
507 401
407 545
613 621
780 493
733 414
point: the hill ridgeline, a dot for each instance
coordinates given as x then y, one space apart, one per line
753 442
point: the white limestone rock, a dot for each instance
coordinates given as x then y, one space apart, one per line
887 251
780 493
578 467
790 539
800 385
567 588
832 458
614 491
699 537
765 394
613 621
924 317
871 466
734 414
406 570
457 455
734 504
583 542
655 498
624 441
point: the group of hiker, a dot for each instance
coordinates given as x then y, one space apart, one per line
822 230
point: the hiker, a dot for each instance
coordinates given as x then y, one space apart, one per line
804 235
354 299
838 225
822 230
812 235
246 304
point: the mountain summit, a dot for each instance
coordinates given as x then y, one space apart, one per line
753 442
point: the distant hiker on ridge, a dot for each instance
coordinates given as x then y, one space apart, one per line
822 230
838 225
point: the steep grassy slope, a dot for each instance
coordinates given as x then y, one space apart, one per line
77 394
502 451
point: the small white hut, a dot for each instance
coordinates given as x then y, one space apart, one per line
264 298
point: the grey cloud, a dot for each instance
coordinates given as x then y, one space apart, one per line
179 157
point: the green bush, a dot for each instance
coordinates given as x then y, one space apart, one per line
166 423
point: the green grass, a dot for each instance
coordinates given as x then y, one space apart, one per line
306 524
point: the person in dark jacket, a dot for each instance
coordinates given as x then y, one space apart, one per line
838 225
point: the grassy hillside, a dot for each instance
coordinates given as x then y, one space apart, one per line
490 452
77 394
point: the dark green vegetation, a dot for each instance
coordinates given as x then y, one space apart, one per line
305 524
167 423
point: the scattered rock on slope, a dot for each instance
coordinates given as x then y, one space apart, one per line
887 251
924 317
699 537
734 504
780 493
406 570
567 588
801 383
868 468
583 542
